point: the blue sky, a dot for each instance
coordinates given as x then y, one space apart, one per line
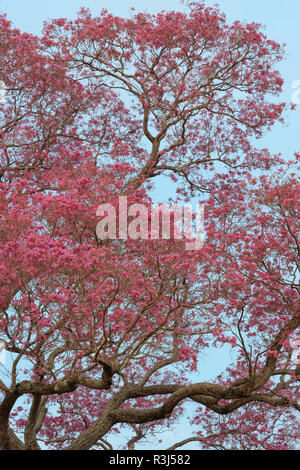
282 20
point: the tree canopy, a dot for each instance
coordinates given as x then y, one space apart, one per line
107 336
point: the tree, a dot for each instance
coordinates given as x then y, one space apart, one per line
107 335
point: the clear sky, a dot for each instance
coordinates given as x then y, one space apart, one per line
282 21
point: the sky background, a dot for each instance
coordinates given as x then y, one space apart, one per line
282 24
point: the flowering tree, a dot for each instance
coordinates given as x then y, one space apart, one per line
106 335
